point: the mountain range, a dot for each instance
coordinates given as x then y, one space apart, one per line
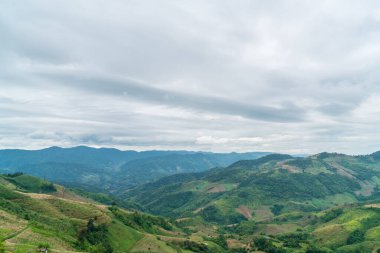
109 169
179 201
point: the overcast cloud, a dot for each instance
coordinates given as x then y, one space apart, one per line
214 75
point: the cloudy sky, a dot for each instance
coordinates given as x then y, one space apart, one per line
213 75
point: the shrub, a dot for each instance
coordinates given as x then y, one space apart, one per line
355 237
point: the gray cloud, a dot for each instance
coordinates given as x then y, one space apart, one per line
286 76
134 90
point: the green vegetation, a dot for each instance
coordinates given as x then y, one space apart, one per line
94 238
107 169
322 203
283 183
29 183
34 220
31 220
142 222
298 202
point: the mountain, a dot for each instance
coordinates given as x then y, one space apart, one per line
140 171
110 169
262 188
38 216
277 203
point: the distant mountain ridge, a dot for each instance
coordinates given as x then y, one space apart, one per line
109 168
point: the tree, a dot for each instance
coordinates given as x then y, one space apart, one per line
2 249
355 237
90 225
43 247
94 238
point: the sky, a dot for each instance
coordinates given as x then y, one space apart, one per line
210 75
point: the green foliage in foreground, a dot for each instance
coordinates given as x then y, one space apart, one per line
141 221
94 238
28 183
68 224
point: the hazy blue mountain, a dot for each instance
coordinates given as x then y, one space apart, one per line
104 158
111 169
144 170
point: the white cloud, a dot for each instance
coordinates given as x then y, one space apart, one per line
285 76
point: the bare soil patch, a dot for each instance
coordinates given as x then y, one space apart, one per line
245 211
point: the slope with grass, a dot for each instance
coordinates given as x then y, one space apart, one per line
35 214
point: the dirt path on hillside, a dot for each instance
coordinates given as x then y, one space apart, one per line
373 205
14 234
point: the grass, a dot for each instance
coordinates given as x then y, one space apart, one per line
29 219
333 235
336 232
373 234
351 219
262 213
40 206
36 237
276 229
9 224
376 180
200 186
31 184
207 187
337 199
21 248
123 238
77 210
58 221
9 194
363 247
150 243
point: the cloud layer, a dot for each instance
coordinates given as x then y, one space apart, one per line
285 76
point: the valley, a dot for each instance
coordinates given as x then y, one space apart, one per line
275 203
176 126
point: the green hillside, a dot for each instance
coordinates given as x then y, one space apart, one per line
277 203
34 217
262 188
37 215
351 228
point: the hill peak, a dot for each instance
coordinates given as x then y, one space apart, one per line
261 160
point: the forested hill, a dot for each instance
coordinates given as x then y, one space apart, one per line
111 169
271 184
